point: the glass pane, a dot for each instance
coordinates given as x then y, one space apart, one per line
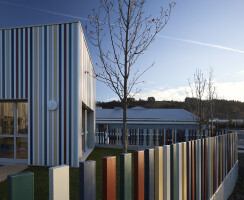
6 118
6 147
22 118
22 148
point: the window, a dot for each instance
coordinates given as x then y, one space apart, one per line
13 130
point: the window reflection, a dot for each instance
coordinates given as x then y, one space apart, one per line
6 147
22 148
6 118
13 130
22 118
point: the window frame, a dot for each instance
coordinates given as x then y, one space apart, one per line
15 135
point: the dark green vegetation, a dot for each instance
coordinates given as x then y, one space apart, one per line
238 192
41 177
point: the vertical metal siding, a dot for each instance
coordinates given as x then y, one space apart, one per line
48 63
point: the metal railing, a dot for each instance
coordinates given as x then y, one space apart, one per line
152 137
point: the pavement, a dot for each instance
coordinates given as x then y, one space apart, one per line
240 141
10 169
6 170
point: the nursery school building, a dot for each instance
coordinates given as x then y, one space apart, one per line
47 95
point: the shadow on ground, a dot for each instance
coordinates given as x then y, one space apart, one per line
238 192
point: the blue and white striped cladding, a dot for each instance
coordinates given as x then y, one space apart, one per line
43 63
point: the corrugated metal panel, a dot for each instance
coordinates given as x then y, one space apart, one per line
44 63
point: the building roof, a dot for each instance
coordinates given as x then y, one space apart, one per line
140 113
40 25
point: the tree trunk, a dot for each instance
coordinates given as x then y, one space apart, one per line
125 103
124 128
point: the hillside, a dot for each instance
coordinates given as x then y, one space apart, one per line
223 108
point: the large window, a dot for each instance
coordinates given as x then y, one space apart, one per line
13 130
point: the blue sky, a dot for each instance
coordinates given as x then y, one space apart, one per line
200 34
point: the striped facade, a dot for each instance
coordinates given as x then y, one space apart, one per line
43 63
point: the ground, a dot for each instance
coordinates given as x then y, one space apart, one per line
41 184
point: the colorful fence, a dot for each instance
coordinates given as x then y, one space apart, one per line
187 170
152 137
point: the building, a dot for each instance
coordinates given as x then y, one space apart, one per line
47 95
142 118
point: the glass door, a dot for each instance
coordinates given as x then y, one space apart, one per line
14 132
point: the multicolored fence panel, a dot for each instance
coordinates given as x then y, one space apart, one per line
151 137
187 170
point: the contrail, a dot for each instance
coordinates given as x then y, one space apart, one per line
202 43
162 36
43 10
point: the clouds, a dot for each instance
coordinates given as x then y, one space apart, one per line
225 90
177 94
231 90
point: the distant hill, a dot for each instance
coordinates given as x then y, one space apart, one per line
223 108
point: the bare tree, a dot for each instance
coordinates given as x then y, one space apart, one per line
122 32
211 97
197 92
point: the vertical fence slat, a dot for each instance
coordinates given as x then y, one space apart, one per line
159 173
87 180
205 179
151 137
180 168
211 166
166 172
21 186
59 183
193 170
198 168
157 142
176 186
109 178
184 171
137 137
149 174
188 149
173 136
139 175
125 176
144 131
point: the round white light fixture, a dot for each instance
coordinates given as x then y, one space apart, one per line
52 105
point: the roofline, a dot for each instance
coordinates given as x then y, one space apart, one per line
40 25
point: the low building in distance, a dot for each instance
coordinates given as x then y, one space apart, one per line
143 118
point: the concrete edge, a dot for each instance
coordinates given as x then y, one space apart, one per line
227 186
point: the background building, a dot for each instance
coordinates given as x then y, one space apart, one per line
47 95
142 118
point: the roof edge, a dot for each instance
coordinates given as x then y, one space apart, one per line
50 24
